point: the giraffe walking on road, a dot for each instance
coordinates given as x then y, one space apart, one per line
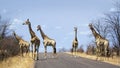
47 41
75 42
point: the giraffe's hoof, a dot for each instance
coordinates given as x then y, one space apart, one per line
37 58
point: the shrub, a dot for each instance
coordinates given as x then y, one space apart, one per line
90 50
80 49
8 47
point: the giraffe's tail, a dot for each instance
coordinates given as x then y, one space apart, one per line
54 50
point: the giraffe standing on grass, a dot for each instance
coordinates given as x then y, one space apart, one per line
102 44
23 44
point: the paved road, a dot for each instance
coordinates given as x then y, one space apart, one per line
64 60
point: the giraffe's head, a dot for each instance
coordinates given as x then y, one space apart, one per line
75 28
91 26
27 22
38 27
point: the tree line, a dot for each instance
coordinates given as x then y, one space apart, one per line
8 44
108 27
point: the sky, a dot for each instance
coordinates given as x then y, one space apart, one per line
56 17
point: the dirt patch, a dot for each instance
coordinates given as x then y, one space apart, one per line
114 60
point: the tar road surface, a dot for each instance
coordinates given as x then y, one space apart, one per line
64 60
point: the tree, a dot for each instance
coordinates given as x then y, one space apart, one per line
4 27
109 26
113 18
90 49
101 27
80 49
63 50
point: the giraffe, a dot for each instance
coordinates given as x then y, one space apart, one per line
75 42
47 41
102 44
35 41
22 43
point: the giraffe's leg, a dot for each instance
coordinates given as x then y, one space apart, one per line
75 51
97 52
22 50
54 51
27 52
75 55
45 51
100 52
37 52
72 51
32 50
106 51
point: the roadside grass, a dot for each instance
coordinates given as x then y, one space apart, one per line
115 60
17 62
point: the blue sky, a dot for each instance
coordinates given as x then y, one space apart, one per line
56 17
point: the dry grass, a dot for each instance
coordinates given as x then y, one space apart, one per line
17 62
114 60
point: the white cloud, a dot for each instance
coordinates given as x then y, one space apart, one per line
15 23
112 9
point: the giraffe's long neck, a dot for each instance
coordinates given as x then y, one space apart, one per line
42 34
96 35
17 37
76 35
31 31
